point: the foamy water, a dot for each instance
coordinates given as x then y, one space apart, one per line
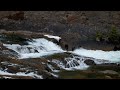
113 56
40 47
32 74
37 48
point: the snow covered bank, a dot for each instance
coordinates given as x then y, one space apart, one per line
55 37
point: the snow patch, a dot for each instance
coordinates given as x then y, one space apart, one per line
55 37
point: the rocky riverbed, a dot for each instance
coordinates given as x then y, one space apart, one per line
57 64
59 44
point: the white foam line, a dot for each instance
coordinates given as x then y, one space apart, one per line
113 56
32 74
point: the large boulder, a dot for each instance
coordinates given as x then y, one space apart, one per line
89 62
70 41
116 48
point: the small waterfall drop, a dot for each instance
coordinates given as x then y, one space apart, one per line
36 48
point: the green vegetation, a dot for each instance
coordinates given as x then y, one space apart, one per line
99 36
112 36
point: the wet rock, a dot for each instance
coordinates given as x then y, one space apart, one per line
116 48
47 68
108 77
76 63
47 75
56 67
55 41
109 72
66 47
67 66
1 45
12 69
36 51
109 64
89 62
70 40
77 58
10 53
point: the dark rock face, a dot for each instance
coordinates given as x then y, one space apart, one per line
70 41
16 16
73 26
89 62
95 20
116 48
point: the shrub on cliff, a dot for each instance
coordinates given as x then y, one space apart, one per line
114 36
99 36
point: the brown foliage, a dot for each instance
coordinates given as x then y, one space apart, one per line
17 16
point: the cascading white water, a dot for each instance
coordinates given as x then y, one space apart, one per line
39 47
113 56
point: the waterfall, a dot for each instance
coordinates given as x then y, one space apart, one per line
36 48
41 47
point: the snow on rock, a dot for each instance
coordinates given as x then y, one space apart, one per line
55 37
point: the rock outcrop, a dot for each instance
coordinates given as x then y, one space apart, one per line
83 23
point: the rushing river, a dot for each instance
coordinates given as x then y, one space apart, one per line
41 47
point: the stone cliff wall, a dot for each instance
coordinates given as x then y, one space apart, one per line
83 23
